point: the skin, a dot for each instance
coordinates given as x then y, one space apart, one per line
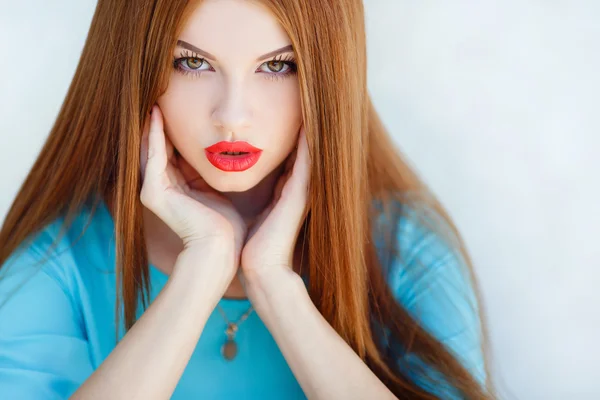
234 97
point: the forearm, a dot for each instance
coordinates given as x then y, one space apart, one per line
322 362
150 359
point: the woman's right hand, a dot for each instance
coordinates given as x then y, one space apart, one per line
203 218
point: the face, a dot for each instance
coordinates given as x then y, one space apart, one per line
231 83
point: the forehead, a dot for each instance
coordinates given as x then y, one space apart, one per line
241 26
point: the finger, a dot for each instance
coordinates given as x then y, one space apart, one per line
157 153
280 185
291 160
175 177
144 145
302 158
170 149
300 174
290 209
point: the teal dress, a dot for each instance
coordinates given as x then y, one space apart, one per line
57 321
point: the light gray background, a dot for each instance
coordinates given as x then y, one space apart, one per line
496 105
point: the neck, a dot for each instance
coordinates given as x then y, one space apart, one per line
251 202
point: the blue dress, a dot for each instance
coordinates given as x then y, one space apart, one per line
57 320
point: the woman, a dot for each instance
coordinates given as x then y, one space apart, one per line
310 263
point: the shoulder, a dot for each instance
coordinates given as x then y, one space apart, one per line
45 271
42 316
428 253
430 278
41 259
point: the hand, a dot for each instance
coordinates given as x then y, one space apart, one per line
272 237
198 214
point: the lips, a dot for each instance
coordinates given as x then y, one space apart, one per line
232 147
247 157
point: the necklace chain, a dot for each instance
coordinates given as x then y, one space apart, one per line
244 316
229 348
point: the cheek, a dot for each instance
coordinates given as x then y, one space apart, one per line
281 112
282 99
182 109
274 109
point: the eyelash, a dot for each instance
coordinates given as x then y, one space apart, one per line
185 55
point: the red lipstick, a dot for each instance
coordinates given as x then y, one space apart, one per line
222 156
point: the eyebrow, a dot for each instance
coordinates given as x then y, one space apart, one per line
206 54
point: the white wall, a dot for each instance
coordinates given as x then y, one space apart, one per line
492 101
497 104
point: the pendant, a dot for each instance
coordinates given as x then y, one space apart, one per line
229 349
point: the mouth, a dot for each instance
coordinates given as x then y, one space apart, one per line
233 156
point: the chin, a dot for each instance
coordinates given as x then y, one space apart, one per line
232 182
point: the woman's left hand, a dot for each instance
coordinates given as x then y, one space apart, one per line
271 239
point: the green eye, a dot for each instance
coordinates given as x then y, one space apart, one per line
276 62
194 63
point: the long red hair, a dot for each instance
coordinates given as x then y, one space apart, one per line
91 155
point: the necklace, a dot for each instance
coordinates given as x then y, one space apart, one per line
229 348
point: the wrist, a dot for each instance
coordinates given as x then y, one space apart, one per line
204 276
190 300
270 281
273 292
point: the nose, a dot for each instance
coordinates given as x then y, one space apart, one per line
232 112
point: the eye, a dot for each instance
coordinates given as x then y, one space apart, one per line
281 67
189 64
277 66
193 63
